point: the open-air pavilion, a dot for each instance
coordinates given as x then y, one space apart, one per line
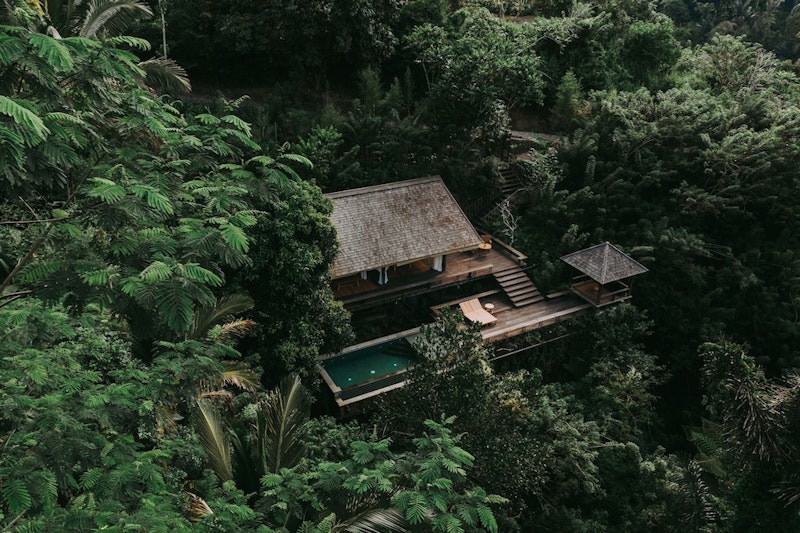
604 274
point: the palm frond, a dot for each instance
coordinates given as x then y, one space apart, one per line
235 329
789 493
281 423
698 509
165 75
376 521
248 467
206 317
196 508
216 394
113 16
214 438
759 421
239 375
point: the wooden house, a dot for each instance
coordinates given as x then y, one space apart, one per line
388 226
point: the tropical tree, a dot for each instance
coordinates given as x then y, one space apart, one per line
748 446
98 20
119 199
306 40
298 319
473 69
71 394
271 440
426 489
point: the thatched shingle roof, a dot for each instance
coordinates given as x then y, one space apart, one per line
604 263
397 223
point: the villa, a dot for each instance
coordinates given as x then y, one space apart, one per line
406 239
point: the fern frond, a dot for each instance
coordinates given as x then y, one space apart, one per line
11 49
106 190
156 271
91 478
486 517
136 43
263 160
174 304
235 237
239 123
207 119
55 53
101 277
154 198
18 110
16 495
39 271
297 158
242 138
197 273
246 217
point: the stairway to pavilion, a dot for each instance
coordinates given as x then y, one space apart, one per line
518 286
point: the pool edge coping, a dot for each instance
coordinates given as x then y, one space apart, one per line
366 344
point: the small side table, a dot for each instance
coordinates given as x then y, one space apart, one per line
489 307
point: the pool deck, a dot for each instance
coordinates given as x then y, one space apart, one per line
511 321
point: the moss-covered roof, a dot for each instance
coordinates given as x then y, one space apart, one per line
398 223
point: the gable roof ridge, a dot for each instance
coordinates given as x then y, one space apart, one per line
383 187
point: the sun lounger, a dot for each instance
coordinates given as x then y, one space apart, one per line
474 312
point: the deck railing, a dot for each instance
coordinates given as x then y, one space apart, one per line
598 294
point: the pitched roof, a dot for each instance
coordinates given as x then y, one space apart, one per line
397 223
604 263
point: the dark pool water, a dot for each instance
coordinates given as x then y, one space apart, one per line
370 363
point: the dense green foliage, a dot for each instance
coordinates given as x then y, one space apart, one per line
165 286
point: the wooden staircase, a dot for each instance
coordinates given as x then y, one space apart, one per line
510 185
509 182
518 286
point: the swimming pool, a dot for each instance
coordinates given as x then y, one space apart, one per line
370 363
368 368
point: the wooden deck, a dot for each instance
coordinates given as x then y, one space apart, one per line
513 321
516 321
419 277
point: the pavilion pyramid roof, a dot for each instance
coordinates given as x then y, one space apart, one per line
604 263
398 223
